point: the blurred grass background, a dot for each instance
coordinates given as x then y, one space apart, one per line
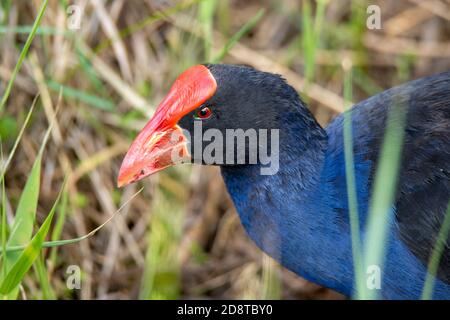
180 237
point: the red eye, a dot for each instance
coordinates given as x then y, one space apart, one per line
203 113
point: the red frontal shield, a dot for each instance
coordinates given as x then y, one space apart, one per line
161 142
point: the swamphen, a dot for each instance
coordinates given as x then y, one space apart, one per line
299 214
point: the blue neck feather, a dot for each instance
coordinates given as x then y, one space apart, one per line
289 215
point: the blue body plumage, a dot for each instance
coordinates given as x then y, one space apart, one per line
300 215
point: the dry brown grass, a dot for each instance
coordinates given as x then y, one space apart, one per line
207 253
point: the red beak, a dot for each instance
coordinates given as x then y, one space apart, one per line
161 142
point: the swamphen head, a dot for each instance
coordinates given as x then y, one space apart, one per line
225 98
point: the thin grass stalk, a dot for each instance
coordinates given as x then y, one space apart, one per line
238 35
160 15
58 243
42 275
308 40
435 257
3 226
382 201
22 55
351 181
206 17
271 283
16 142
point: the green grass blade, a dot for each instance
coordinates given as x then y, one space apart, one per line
206 17
41 272
57 229
93 100
19 137
3 226
29 255
311 35
22 56
238 35
435 257
367 84
271 283
223 17
381 204
22 228
320 15
51 31
161 277
308 41
58 243
163 14
87 67
351 182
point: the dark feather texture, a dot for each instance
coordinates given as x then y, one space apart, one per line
424 183
300 215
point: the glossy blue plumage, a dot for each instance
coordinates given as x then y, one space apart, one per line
300 215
